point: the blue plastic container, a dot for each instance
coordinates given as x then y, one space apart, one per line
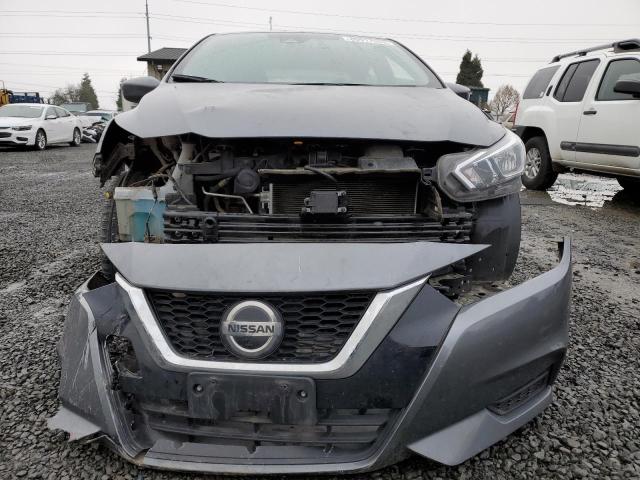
139 214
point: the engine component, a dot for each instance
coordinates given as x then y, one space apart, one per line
322 202
246 181
369 192
184 225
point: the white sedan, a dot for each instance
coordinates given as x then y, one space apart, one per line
37 125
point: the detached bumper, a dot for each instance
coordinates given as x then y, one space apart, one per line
420 374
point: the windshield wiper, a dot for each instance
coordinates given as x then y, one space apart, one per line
334 84
180 77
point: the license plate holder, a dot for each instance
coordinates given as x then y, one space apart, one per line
285 400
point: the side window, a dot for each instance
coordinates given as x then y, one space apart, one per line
575 81
51 111
625 69
538 83
61 112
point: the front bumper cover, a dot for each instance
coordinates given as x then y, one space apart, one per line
452 387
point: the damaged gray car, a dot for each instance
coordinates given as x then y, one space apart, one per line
306 242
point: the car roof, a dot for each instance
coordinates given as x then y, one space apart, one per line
622 47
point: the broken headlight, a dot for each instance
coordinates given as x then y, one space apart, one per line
485 173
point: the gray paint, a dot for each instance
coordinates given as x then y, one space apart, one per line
492 346
228 110
281 267
464 439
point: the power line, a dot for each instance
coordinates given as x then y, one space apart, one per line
407 20
61 67
86 54
417 36
70 35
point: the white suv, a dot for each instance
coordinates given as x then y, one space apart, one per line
582 112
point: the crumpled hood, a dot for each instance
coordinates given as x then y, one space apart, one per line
228 110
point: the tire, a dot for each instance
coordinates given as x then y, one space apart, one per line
630 184
538 172
77 138
41 140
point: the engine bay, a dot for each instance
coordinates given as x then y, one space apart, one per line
193 189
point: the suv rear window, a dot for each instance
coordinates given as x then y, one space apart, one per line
575 80
625 69
538 83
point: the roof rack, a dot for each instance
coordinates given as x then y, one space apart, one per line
630 44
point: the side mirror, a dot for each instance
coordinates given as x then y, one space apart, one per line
50 117
460 90
628 86
136 88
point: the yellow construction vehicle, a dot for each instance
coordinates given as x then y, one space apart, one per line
4 95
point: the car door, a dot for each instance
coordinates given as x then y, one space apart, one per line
51 125
568 102
609 135
66 125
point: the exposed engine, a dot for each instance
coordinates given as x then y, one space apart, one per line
191 189
288 190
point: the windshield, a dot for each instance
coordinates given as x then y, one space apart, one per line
75 107
300 58
21 111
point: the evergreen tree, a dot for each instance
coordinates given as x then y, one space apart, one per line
87 93
119 98
471 71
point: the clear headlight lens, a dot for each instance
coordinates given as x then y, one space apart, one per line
485 173
22 128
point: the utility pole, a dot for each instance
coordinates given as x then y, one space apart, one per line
270 23
146 7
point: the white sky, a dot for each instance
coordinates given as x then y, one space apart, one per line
45 44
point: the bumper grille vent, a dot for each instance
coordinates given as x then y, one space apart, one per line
316 326
337 431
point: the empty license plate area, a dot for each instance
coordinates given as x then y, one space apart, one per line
281 400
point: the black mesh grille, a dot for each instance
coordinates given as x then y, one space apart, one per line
316 326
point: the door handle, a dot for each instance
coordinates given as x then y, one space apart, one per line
590 112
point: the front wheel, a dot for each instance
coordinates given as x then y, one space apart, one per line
538 172
41 140
77 138
630 184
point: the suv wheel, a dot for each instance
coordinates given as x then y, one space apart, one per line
538 172
629 184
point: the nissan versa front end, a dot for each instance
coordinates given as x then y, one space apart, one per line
306 244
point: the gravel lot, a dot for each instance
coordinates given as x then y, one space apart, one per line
49 212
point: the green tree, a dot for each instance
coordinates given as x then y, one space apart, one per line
71 93
119 98
470 73
87 93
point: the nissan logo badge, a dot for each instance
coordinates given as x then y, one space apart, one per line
252 329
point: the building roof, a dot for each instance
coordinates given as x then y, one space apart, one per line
163 54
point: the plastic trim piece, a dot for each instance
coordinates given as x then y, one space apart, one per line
383 313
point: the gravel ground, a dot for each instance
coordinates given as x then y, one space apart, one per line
49 205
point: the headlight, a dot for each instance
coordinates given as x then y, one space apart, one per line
21 128
484 173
